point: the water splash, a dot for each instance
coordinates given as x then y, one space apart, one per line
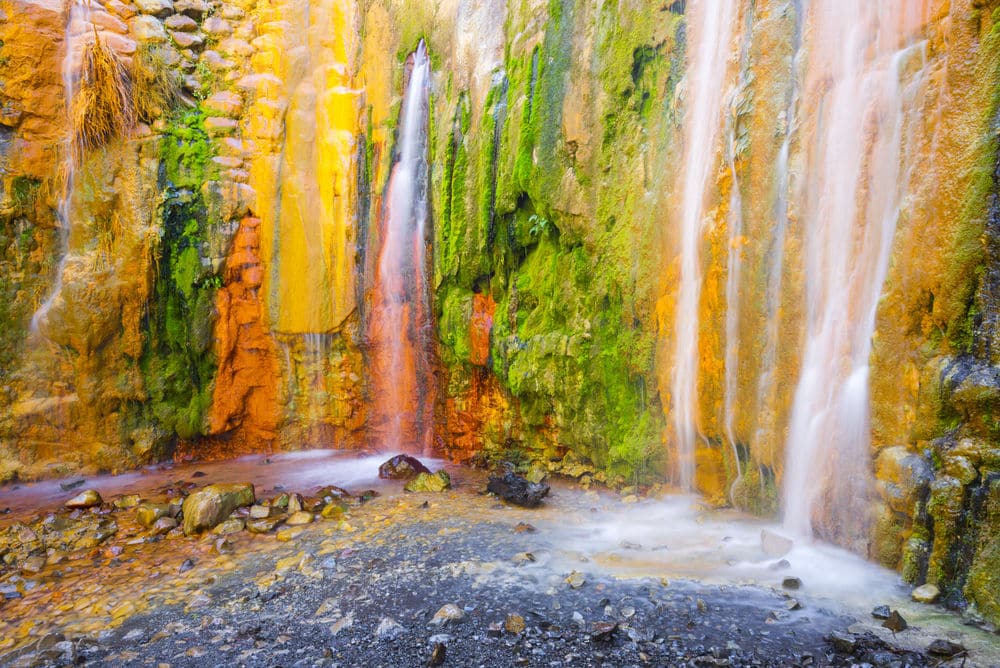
400 327
853 195
711 28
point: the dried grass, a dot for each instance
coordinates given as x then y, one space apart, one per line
156 86
104 106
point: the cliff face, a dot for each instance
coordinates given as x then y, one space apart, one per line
201 280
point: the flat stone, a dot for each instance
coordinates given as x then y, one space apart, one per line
187 40
259 512
299 518
926 593
181 23
119 9
164 525
223 103
85 499
264 525
232 525
193 8
447 614
217 27
146 28
127 501
212 504
159 8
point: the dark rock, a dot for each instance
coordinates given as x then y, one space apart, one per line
780 565
603 631
524 527
844 643
198 474
895 622
367 495
791 583
881 612
332 493
401 467
186 565
945 648
518 490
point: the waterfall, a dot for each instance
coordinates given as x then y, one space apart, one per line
711 28
853 116
400 322
77 33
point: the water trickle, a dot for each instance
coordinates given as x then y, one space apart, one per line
711 28
400 326
856 115
77 34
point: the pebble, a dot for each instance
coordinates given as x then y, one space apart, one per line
514 623
85 499
447 614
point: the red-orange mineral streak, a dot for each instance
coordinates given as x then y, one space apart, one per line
245 397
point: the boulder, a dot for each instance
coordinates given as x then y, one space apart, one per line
85 499
212 504
401 467
518 490
429 482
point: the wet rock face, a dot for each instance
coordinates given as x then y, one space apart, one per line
517 490
211 505
401 467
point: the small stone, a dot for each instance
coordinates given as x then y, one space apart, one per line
524 527
895 622
187 40
495 629
163 525
603 631
159 8
332 511
774 544
780 565
514 623
447 614
791 583
299 518
388 628
792 604
229 526
524 558
264 525
926 593
288 535
429 482
127 501
575 580
85 499
843 642
148 29
186 565
223 546
258 512
294 504
181 22
437 655
146 514
217 27
881 612
33 565
945 648
193 8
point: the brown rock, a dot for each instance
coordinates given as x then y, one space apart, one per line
85 499
181 23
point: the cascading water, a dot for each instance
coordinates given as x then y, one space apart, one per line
77 33
854 103
399 326
711 27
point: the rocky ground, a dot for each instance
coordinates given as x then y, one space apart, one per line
399 579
